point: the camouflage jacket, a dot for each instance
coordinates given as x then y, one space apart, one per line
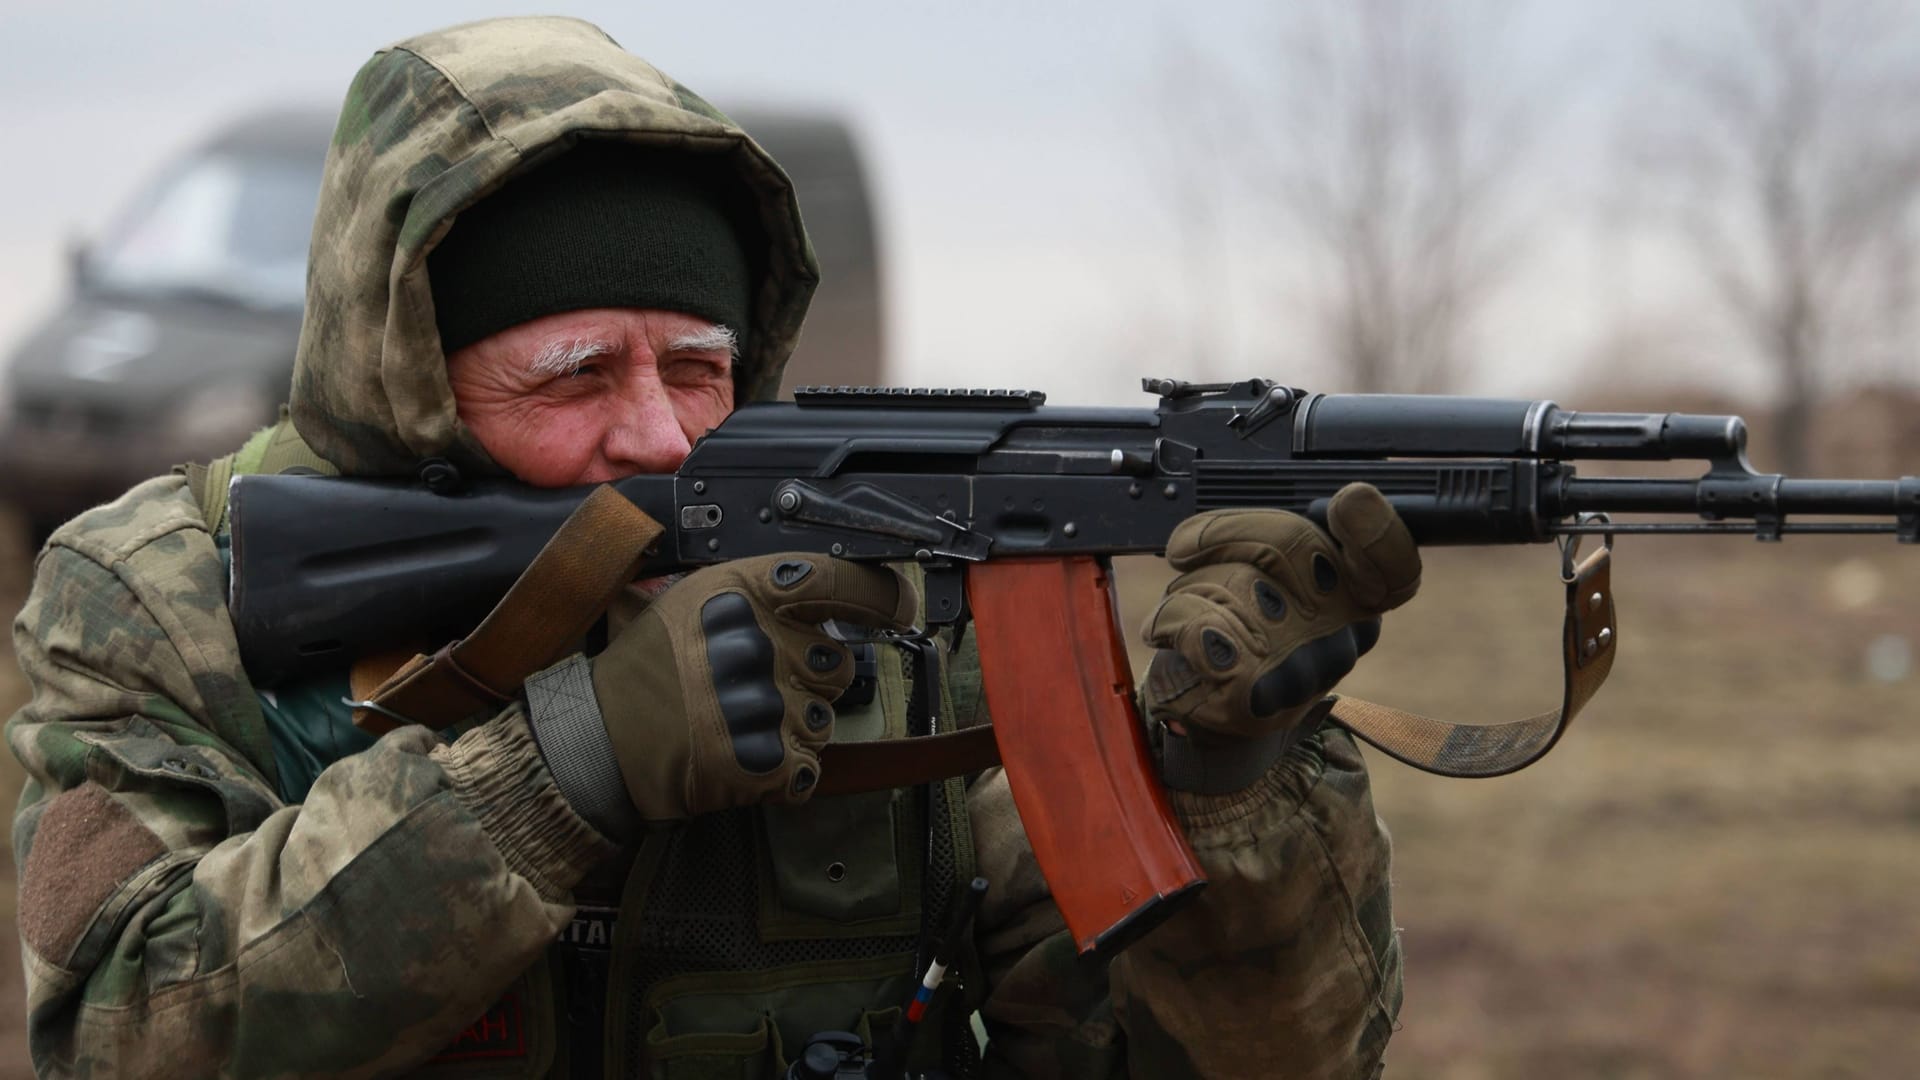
177 916
173 910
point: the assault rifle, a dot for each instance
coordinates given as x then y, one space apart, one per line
1013 508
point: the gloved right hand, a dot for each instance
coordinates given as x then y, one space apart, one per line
720 693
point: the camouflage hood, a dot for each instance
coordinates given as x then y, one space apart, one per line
431 126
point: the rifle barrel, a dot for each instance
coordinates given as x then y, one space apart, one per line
1740 528
1741 496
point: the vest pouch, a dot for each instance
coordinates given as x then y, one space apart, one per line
745 1024
834 867
749 1055
876 1024
833 863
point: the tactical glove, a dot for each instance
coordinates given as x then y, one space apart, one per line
1270 612
719 694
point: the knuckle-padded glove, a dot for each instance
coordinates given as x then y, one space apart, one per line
1270 612
720 693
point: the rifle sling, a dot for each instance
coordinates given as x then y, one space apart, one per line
1589 637
544 615
847 768
596 553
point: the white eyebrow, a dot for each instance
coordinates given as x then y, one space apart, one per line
713 337
565 357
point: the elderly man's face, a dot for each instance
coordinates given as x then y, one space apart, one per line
588 396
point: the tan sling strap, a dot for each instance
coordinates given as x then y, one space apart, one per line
1588 640
544 615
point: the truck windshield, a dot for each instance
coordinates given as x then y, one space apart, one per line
222 226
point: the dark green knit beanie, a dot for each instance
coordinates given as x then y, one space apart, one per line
603 225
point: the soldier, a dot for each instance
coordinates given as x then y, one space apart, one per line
536 255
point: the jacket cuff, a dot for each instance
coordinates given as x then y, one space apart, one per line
1284 784
1218 764
567 724
499 776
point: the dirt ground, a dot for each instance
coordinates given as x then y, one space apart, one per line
1714 875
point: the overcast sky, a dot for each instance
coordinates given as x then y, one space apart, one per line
1025 239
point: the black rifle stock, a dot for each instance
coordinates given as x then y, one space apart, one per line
967 482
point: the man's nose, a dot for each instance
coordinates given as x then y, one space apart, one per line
645 436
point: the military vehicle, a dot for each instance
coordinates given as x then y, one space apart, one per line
177 337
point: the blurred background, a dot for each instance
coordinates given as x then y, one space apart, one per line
1712 206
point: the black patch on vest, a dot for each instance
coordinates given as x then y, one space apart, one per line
585 954
740 656
590 930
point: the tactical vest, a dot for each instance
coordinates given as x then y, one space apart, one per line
716 947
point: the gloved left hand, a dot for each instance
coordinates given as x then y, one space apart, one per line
1270 611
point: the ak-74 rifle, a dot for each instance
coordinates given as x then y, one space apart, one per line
1013 508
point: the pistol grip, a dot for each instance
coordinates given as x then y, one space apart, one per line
1061 694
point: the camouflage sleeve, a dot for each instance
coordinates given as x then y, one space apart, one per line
1287 965
172 909
1047 1014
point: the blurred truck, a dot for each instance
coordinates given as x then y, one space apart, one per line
177 337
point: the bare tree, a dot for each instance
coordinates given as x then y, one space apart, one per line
1384 139
1193 155
1398 148
1792 168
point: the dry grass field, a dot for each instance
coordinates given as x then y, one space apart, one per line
1717 874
